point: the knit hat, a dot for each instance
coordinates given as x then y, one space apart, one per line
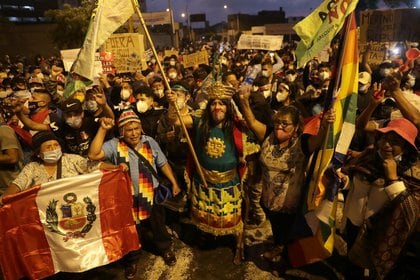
404 128
41 137
126 117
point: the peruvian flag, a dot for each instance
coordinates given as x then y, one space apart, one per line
70 225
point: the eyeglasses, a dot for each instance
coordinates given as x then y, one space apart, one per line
281 124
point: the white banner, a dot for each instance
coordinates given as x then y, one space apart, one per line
260 42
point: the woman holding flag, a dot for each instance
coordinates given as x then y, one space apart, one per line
283 159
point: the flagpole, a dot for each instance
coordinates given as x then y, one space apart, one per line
184 128
331 95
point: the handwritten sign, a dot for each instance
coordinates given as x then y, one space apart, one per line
196 58
389 25
260 42
127 50
377 52
171 52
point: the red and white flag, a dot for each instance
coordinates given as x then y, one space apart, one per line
69 225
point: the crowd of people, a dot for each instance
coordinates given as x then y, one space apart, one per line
253 119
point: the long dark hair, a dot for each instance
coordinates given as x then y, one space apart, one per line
207 123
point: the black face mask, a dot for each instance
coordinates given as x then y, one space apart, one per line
33 106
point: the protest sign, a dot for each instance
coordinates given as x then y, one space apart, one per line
196 58
377 52
260 42
127 49
389 25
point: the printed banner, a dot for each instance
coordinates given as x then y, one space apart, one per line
260 42
317 30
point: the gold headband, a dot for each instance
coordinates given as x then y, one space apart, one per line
220 91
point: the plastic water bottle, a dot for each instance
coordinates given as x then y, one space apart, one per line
251 74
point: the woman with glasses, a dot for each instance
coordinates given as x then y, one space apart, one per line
283 163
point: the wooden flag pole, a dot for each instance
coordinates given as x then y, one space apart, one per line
184 128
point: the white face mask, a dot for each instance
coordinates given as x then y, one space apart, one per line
411 82
265 73
172 75
363 88
266 93
40 75
74 122
172 63
159 93
324 75
125 94
60 92
92 105
281 96
291 78
142 106
255 88
51 156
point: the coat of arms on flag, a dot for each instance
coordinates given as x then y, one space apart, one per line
76 218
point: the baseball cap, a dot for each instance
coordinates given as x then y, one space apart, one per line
72 105
364 78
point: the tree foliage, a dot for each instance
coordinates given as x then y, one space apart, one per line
72 24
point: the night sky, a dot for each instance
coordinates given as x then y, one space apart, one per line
216 12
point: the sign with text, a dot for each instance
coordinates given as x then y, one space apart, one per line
260 42
196 58
377 52
153 18
389 25
107 60
171 52
127 50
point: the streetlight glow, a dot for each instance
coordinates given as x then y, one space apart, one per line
183 15
225 7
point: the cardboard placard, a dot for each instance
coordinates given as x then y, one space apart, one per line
128 52
377 52
196 58
390 25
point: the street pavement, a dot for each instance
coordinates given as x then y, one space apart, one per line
212 260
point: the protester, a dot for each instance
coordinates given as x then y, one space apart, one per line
134 149
283 162
381 208
50 163
220 156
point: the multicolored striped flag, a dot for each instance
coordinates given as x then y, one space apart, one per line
70 225
319 209
107 17
317 30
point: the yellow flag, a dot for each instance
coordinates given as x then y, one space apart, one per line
107 17
317 30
